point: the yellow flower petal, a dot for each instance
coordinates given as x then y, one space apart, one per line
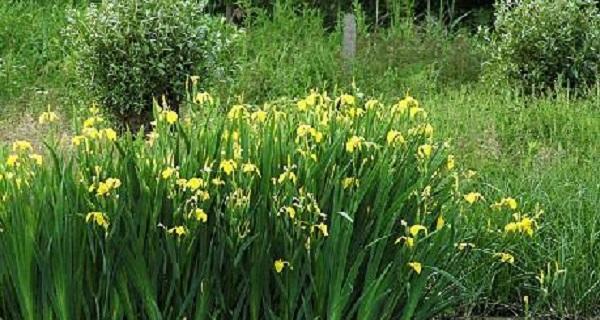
200 215
424 151
354 143
323 228
279 264
98 218
167 173
451 162
472 197
415 229
505 257
416 266
171 116
440 222
228 166
178 230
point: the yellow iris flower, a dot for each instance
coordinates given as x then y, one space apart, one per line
416 266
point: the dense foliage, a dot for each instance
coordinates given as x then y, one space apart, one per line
542 42
420 58
330 208
129 51
80 234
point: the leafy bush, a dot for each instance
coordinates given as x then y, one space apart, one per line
318 208
542 42
128 51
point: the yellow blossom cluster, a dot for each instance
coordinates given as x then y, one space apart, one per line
22 151
104 188
521 225
92 131
509 202
48 117
98 218
276 164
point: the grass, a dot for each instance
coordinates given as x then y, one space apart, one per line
34 69
537 149
30 51
282 196
423 59
545 150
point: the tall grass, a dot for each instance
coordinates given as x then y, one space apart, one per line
537 149
544 147
33 72
330 208
288 52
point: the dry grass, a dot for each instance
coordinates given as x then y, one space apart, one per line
26 127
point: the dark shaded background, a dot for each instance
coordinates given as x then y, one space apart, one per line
465 12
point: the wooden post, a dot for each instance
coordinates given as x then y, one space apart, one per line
349 42
376 14
229 12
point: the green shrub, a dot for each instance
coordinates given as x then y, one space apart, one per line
541 42
128 51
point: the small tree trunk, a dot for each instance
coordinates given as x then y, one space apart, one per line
229 12
376 14
349 42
